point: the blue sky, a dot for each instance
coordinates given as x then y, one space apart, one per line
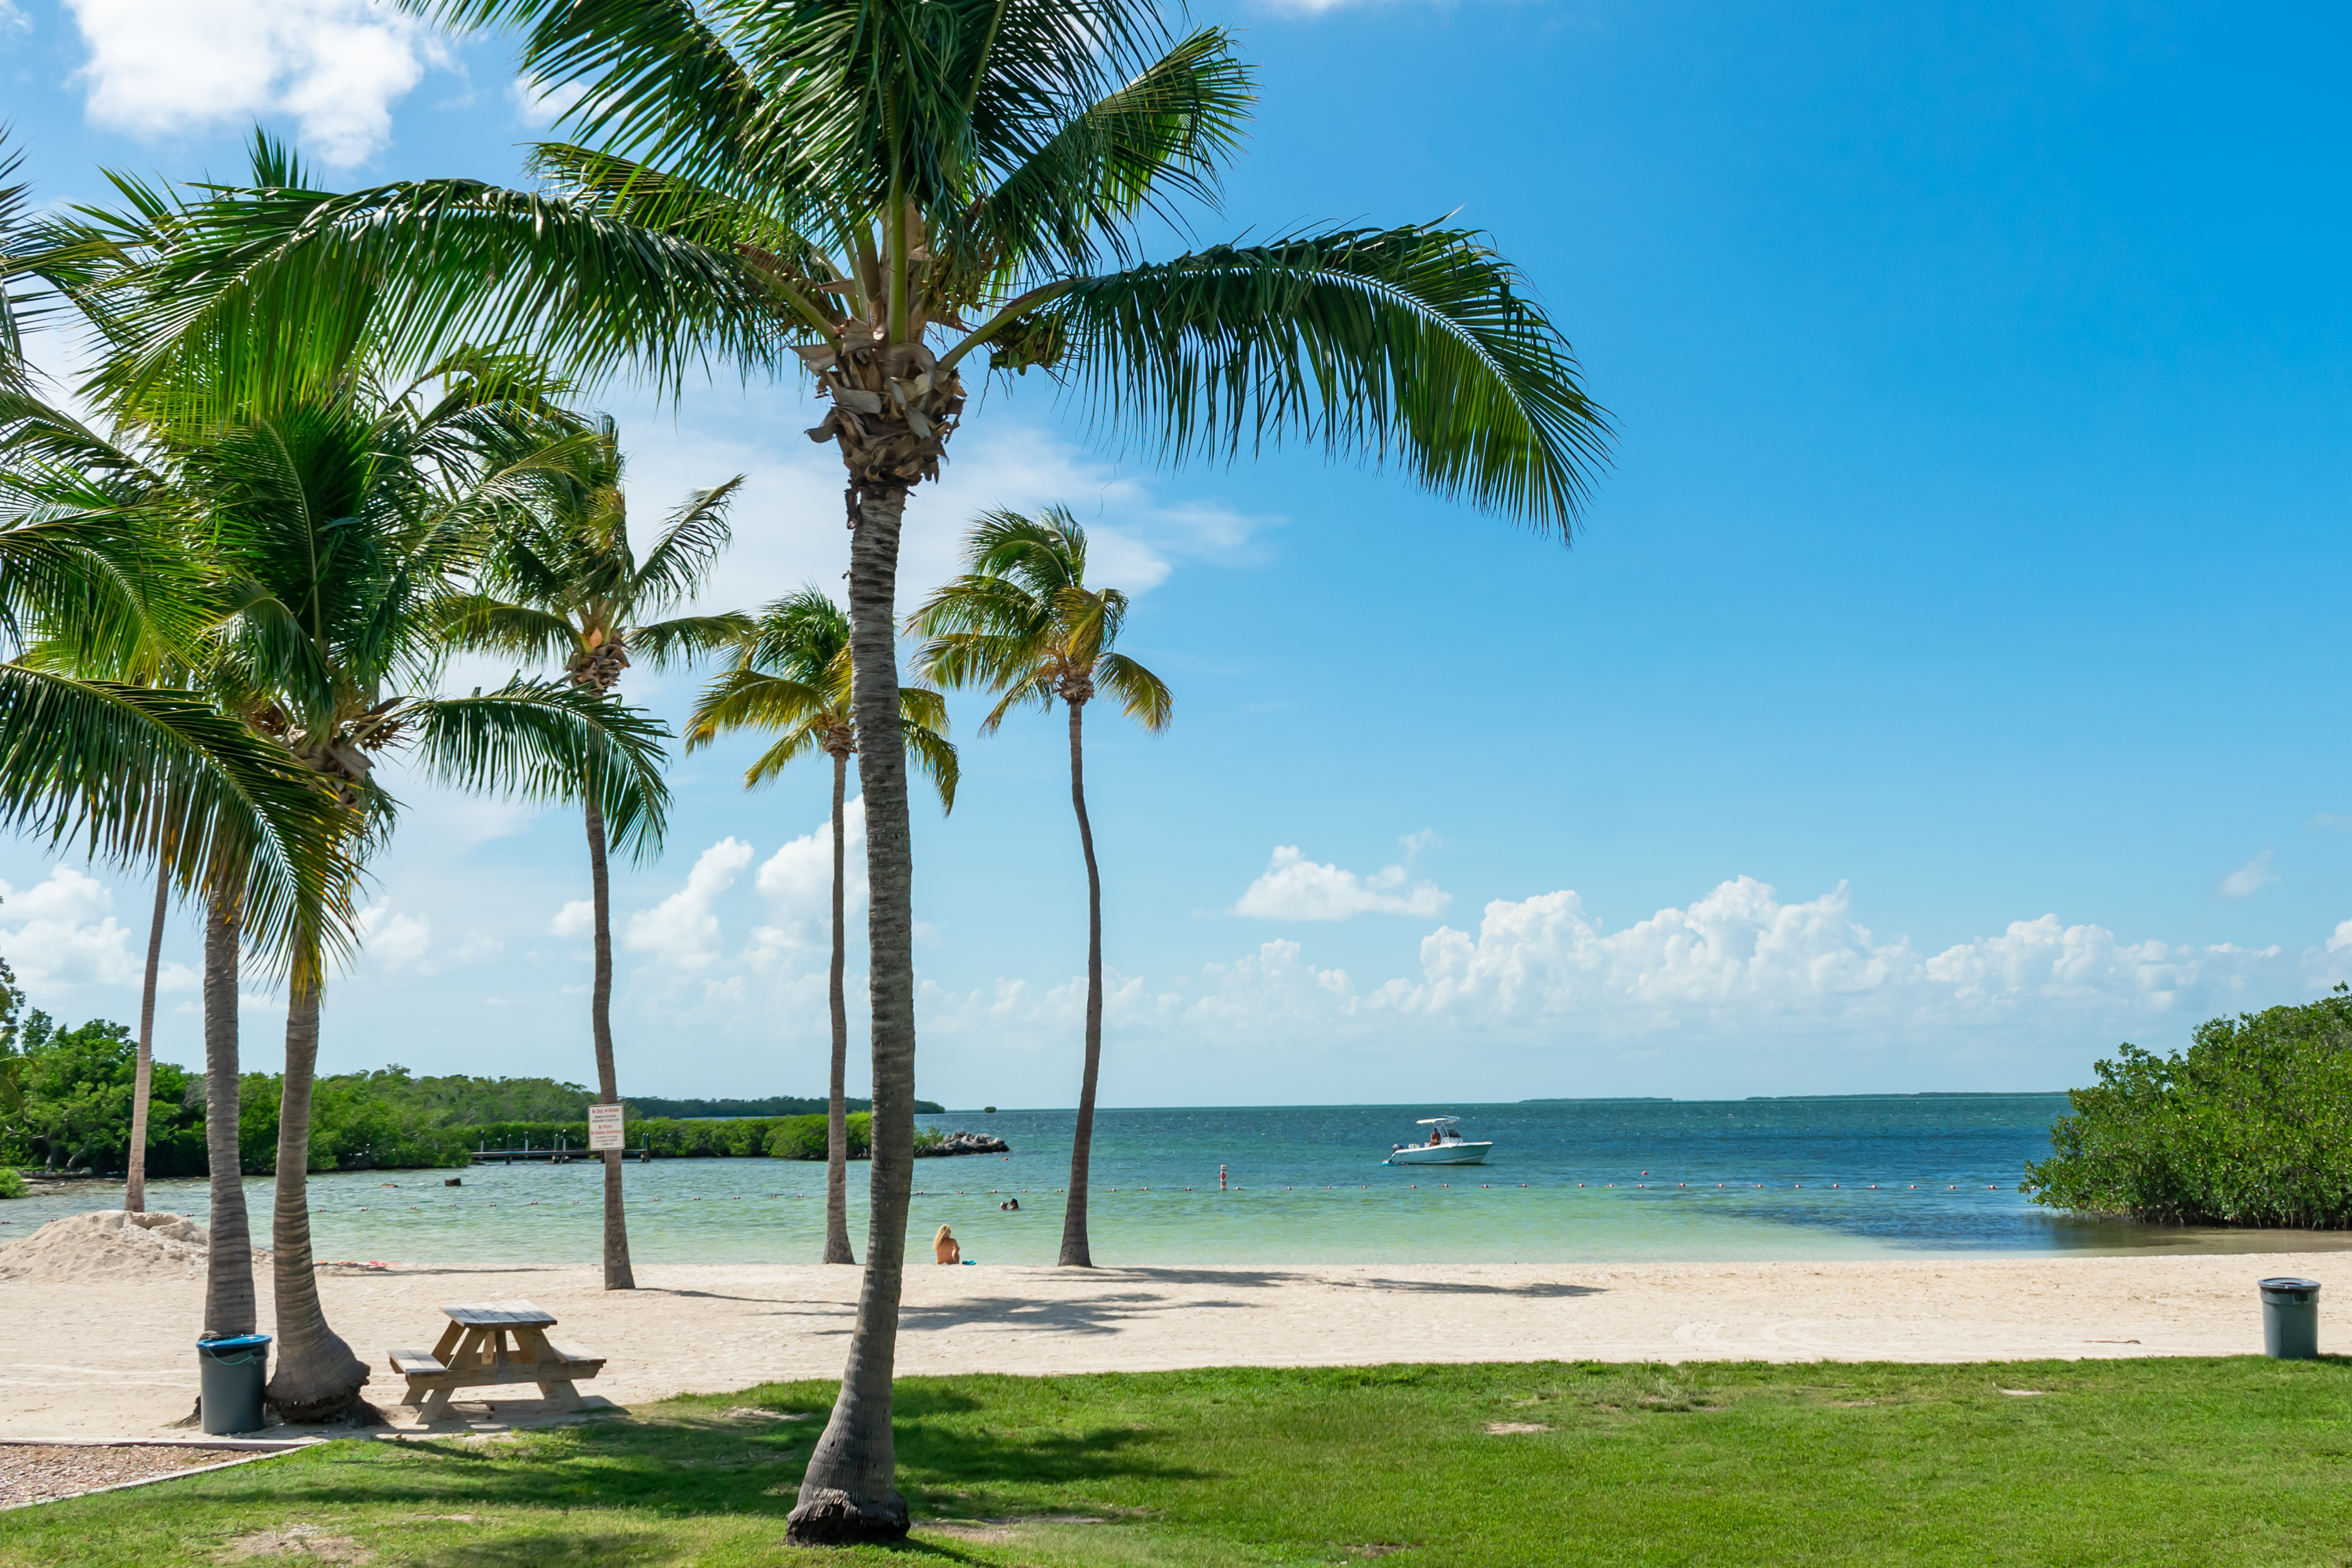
1942 689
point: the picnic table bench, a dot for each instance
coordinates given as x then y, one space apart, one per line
475 1351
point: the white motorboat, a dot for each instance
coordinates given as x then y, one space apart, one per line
1446 1146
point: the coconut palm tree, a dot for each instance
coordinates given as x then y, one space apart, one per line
344 522
876 190
1022 622
566 584
791 674
93 561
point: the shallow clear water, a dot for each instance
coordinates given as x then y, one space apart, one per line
1586 1180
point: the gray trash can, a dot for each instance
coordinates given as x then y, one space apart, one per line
233 1368
2291 1319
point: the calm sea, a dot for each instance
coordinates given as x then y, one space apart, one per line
1578 1180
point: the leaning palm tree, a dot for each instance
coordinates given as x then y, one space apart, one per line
344 523
1022 623
95 741
791 674
566 584
877 191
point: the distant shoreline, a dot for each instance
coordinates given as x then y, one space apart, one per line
1547 1099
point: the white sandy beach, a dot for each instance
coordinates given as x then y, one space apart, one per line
115 1359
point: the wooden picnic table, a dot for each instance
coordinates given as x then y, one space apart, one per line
491 1344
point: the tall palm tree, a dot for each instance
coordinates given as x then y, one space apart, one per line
791 673
566 584
1022 622
876 190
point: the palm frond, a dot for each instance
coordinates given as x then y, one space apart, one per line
1142 696
1413 346
789 747
933 756
136 774
267 292
686 551
1165 133
477 623
542 740
665 643
754 699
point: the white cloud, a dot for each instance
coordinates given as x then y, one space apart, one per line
395 941
683 929
1292 887
2331 822
12 18
2248 879
539 106
797 882
62 931
158 67
577 918
1740 957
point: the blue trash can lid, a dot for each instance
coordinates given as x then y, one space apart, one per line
2283 1283
233 1342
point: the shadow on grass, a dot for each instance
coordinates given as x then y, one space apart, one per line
575 1546
686 1465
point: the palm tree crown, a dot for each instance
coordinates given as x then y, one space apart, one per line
567 584
792 675
1023 623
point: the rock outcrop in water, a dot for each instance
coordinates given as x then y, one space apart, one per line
961 1143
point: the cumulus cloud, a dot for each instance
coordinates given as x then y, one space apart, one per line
1292 887
159 67
797 883
539 106
683 929
62 931
2248 879
577 918
394 940
1742 956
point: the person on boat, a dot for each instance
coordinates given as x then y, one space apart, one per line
945 1248
1436 1135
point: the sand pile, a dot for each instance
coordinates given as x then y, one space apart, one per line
110 1244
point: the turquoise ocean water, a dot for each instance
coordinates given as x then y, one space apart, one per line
1580 1181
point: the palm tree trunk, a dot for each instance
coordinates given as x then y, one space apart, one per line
134 1183
228 1258
1075 1252
617 1273
836 1112
848 1493
317 1377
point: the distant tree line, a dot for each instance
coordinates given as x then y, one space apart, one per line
65 1094
2252 1125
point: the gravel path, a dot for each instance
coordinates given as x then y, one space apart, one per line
41 1472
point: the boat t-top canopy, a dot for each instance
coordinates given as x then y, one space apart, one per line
1437 1120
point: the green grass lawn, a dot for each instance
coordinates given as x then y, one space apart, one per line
2172 1461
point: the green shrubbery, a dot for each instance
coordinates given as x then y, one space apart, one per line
65 1096
2252 1125
12 1181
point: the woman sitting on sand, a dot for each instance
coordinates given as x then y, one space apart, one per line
944 1247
